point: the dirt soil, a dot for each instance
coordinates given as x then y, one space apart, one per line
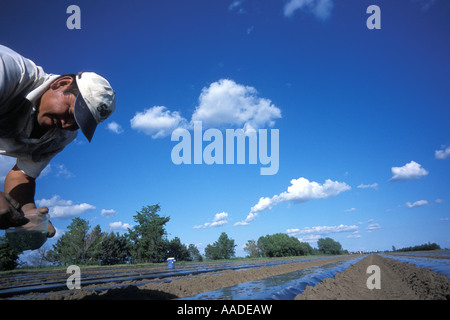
187 286
399 281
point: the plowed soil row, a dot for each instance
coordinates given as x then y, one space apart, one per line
185 286
398 281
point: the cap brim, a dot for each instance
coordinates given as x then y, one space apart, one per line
84 117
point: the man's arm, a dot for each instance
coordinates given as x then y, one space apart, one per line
21 188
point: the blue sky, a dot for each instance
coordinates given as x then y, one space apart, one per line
364 140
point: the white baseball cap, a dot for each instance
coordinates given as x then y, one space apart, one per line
95 102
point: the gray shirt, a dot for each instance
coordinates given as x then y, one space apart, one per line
22 83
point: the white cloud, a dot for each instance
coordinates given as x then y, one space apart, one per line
46 171
350 210
157 121
442 154
354 235
63 171
300 190
58 233
418 203
250 217
57 170
115 127
108 213
312 234
236 5
366 186
119 225
319 8
226 103
220 219
321 230
63 209
373 226
409 171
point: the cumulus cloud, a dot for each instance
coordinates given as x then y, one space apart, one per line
409 171
64 209
321 9
300 190
250 217
220 219
115 127
444 153
108 213
157 121
418 203
226 103
119 225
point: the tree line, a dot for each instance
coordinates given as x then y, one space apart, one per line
282 245
420 247
147 242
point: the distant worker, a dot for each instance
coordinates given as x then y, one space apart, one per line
39 116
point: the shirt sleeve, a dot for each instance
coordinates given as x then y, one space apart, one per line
32 167
17 75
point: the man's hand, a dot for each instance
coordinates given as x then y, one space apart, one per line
21 188
51 230
11 215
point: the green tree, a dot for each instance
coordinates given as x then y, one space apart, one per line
148 236
115 249
8 257
93 245
78 245
251 247
223 248
329 246
177 250
281 245
194 253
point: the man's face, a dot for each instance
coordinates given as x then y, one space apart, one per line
56 108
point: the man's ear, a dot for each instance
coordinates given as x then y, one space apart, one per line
61 83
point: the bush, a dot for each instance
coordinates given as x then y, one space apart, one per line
281 245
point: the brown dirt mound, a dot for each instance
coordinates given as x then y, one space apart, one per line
399 281
187 286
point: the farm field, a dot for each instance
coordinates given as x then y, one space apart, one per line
303 278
